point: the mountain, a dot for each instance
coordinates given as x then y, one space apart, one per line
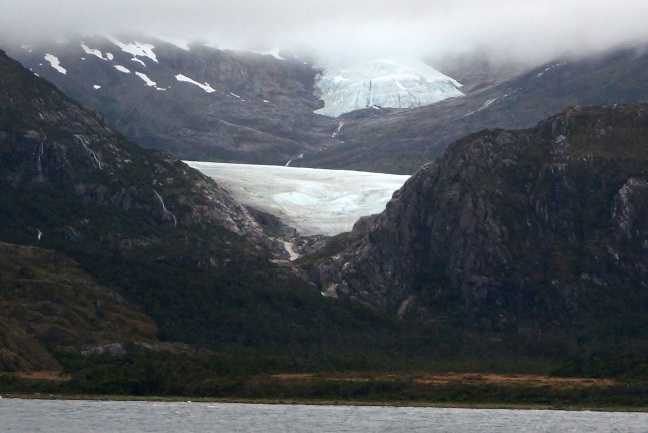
400 141
217 105
99 229
203 103
529 232
200 103
382 84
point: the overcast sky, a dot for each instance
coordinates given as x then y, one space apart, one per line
532 30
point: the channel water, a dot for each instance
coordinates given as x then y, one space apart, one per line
63 416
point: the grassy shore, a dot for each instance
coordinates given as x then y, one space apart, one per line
420 390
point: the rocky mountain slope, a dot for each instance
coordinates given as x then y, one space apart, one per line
201 104
534 231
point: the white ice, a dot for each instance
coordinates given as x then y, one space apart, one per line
382 83
120 68
206 87
136 49
54 61
314 201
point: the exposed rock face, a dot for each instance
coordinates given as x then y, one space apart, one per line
527 230
201 104
47 140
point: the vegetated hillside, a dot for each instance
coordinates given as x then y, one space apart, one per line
239 106
533 232
400 141
49 304
162 235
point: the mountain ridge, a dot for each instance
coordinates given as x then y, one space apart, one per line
529 231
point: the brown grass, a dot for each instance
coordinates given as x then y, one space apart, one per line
467 378
45 375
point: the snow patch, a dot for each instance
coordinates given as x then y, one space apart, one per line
314 201
96 86
557 65
382 83
56 64
135 59
92 51
120 68
148 81
484 106
206 87
109 56
136 49
339 128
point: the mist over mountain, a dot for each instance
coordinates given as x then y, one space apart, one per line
525 32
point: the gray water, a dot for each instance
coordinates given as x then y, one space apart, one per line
54 416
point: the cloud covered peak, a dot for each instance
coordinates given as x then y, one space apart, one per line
520 30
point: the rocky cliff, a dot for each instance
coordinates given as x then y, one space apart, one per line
529 231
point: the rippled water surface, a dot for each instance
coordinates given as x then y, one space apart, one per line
54 416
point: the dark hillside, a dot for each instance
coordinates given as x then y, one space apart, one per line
166 238
534 232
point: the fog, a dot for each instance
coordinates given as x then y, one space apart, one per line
527 31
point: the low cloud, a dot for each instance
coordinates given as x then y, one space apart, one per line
520 30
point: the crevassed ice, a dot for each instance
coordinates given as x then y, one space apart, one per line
314 201
382 83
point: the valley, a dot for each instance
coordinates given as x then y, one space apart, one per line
499 230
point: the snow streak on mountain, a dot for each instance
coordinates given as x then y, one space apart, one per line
382 83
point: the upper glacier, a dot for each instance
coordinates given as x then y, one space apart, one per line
382 83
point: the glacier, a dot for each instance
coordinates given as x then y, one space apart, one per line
313 201
382 83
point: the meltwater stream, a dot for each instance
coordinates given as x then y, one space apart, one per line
58 416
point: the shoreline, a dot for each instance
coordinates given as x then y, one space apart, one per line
307 402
